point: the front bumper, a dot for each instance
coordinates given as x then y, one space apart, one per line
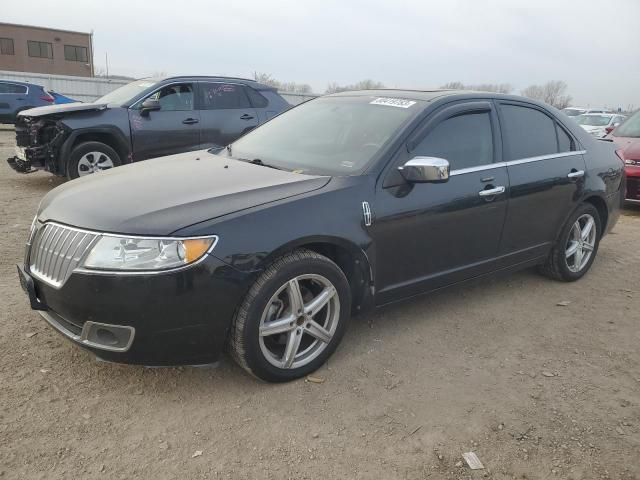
173 318
633 184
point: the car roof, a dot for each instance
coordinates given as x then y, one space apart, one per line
246 81
15 82
596 114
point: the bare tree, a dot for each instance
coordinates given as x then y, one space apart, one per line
367 84
484 87
552 92
293 87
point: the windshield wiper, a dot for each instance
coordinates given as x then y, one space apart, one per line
257 161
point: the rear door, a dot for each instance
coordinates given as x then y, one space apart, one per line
225 112
13 97
546 172
175 128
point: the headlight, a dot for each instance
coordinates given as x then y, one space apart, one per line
137 253
632 162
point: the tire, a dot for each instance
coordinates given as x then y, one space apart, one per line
561 265
90 157
270 298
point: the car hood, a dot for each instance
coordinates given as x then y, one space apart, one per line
62 109
591 128
160 196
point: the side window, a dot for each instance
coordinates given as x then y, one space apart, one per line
257 100
465 141
12 88
221 96
175 98
527 132
565 142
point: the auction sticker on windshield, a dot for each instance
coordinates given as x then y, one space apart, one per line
393 102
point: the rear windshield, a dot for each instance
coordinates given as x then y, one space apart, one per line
630 128
572 112
594 120
329 135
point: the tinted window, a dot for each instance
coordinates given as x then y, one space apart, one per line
175 97
75 54
40 49
257 100
220 96
12 88
565 142
6 46
527 133
465 141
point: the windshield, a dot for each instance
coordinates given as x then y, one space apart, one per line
329 135
630 128
594 120
572 112
125 93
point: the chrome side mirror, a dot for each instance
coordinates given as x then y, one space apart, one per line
425 170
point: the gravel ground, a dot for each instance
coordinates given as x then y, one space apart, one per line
537 390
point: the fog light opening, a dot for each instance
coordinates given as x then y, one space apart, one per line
106 337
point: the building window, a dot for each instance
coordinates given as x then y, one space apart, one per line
6 46
75 54
40 49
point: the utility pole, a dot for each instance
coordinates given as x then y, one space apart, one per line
106 61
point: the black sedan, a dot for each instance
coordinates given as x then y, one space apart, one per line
344 203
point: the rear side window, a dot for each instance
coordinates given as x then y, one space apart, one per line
527 132
257 100
465 141
12 88
565 142
222 96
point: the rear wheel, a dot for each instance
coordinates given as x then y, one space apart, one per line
577 246
91 157
293 317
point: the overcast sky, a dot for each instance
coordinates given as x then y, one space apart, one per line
593 45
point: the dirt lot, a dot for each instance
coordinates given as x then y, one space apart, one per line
537 390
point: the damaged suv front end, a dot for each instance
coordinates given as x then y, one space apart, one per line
43 135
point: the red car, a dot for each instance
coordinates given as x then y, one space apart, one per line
627 137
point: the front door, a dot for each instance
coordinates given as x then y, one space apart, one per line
546 171
225 113
175 128
430 235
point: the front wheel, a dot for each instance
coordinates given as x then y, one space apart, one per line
577 246
91 157
293 317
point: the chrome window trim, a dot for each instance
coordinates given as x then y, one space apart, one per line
520 161
99 235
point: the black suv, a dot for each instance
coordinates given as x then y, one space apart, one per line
145 119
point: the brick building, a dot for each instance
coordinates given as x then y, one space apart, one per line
25 48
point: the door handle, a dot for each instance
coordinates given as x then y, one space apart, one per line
490 192
246 116
190 121
575 173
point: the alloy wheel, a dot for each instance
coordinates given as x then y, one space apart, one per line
93 162
581 243
299 321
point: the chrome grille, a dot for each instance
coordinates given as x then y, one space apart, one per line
56 251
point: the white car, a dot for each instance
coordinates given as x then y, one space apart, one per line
599 124
575 111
